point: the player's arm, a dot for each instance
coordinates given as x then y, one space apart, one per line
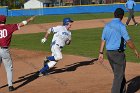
128 40
25 22
68 42
132 46
44 39
134 3
126 6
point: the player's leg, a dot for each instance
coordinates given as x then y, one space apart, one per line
118 67
0 61
46 60
56 56
52 59
129 16
47 66
6 58
133 18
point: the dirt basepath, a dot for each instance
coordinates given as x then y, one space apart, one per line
83 24
73 74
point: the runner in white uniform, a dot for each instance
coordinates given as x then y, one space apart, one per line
61 37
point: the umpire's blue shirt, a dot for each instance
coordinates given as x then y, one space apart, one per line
130 4
112 33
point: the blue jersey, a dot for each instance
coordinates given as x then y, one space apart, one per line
112 33
130 4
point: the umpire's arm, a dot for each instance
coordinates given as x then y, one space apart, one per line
132 46
101 57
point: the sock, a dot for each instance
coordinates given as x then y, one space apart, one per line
51 58
45 68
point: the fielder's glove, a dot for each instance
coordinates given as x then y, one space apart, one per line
43 40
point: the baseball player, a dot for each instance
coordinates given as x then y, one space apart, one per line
6 31
61 37
130 7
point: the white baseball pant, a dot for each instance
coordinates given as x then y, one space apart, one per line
6 59
56 52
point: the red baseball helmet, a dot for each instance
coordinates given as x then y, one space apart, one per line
2 18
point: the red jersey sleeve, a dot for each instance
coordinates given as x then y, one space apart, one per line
13 27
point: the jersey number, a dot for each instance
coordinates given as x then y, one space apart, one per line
65 33
3 33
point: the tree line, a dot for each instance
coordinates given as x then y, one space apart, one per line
13 4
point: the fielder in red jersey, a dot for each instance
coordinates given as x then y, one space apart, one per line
6 31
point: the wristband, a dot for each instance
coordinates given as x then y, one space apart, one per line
24 22
101 52
45 38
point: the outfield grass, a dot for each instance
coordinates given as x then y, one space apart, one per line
85 42
58 18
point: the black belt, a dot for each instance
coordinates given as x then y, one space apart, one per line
59 46
117 50
4 47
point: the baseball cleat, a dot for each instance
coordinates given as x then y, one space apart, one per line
11 88
136 24
42 74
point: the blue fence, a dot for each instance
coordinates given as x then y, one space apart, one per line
4 11
64 10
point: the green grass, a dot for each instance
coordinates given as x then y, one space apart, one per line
134 34
58 18
85 42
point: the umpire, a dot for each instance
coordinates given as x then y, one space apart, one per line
116 36
130 7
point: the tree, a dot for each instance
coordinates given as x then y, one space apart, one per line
12 4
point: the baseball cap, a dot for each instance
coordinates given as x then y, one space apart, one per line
119 11
2 18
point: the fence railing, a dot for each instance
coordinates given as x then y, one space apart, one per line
64 10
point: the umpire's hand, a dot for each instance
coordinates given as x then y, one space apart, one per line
101 58
137 54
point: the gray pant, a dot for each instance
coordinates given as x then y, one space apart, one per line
6 59
131 16
118 64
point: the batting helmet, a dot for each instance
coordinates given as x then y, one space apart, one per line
66 21
2 18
